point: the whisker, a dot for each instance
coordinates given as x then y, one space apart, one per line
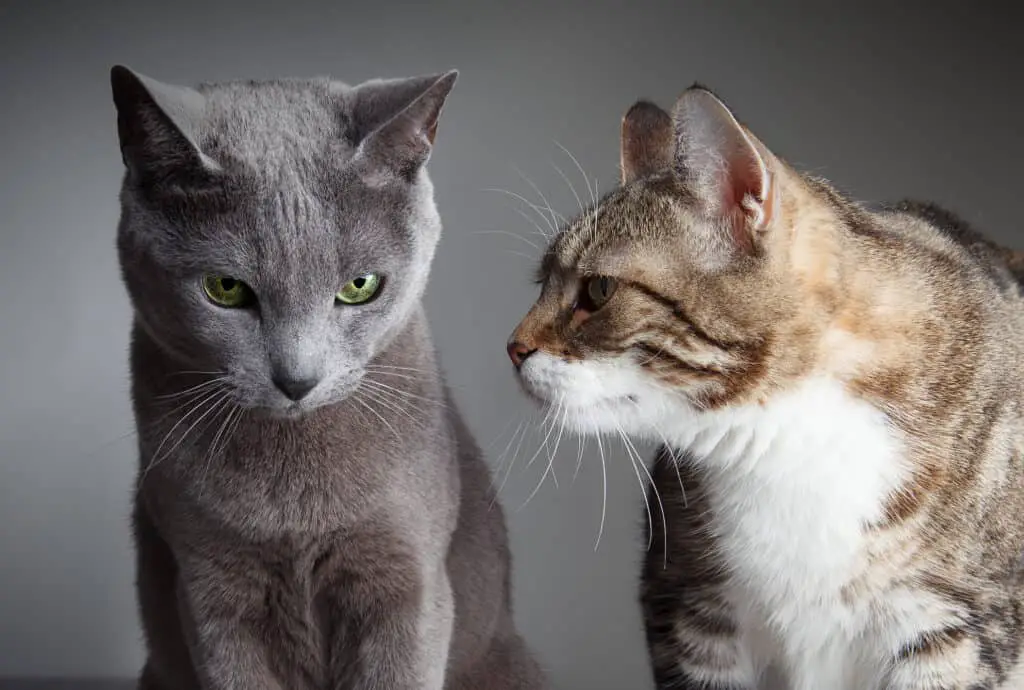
531 221
499 463
198 387
604 492
359 400
657 495
643 489
674 459
211 452
579 456
378 397
556 217
551 456
510 234
500 435
550 429
404 393
156 457
196 373
532 205
586 178
512 462
572 187
397 375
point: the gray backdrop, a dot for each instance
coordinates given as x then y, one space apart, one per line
914 99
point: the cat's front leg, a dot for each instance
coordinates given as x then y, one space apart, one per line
235 632
388 634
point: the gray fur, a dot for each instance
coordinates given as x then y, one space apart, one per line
344 540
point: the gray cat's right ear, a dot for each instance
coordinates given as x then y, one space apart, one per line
156 126
396 120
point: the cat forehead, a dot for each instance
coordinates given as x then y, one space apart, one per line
267 125
644 217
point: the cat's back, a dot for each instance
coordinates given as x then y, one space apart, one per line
1004 266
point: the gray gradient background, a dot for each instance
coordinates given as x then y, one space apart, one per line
886 101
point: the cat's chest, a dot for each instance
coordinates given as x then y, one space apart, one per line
791 487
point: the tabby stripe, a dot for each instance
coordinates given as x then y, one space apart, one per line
679 313
933 643
656 352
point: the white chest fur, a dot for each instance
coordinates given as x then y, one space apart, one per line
791 486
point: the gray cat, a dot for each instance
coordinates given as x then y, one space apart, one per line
311 510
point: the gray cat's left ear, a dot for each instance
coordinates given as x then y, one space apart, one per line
724 165
396 120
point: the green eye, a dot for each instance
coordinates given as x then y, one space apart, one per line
227 292
359 290
599 290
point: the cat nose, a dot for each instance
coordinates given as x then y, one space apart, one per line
295 388
518 352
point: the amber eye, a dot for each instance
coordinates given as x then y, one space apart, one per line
596 292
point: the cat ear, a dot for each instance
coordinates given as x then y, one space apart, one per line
647 144
156 125
397 120
724 165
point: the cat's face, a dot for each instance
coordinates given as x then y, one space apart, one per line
680 291
277 235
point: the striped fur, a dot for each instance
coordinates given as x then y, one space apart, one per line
838 392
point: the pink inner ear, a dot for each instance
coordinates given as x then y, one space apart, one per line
746 189
745 200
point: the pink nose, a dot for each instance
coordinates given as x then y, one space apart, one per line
518 352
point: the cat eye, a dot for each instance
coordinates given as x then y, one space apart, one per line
596 292
228 292
359 290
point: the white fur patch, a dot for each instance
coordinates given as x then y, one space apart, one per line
792 484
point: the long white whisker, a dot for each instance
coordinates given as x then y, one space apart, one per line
510 234
211 453
579 457
556 217
512 462
360 401
643 489
551 457
657 495
499 464
378 397
193 389
604 492
404 393
550 429
210 409
156 456
540 231
572 188
586 178
532 205
388 367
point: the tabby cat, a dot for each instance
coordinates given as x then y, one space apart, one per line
311 513
838 394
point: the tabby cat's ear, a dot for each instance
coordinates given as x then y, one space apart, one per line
724 165
395 121
647 144
156 128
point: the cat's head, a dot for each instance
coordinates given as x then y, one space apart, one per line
697 284
277 234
